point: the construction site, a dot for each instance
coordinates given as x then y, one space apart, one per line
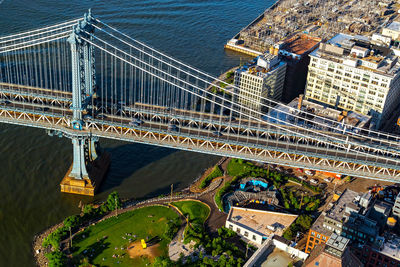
317 18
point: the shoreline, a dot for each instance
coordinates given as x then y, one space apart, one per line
128 205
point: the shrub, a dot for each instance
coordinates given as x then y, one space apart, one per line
223 191
56 259
171 229
113 201
72 221
216 172
55 238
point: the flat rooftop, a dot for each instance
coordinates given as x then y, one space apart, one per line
300 44
261 221
334 118
392 248
337 242
338 210
394 26
318 226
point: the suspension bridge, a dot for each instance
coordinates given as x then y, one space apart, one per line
84 79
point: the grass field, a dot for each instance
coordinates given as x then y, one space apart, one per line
112 237
197 211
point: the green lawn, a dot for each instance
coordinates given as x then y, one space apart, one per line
216 172
238 167
197 211
145 222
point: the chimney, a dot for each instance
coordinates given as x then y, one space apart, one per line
300 104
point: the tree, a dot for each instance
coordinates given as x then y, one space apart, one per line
304 221
113 201
88 209
163 261
288 234
72 221
56 258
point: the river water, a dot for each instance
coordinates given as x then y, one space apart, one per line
32 164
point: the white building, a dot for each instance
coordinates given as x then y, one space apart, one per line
396 207
392 30
352 73
264 78
257 225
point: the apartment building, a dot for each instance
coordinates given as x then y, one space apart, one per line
264 78
357 74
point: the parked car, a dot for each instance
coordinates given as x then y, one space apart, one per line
328 180
309 172
303 177
313 181
300 170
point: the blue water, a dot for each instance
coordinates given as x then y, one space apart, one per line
32 163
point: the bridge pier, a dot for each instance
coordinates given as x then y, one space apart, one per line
88 168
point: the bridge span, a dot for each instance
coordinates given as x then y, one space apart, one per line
85 80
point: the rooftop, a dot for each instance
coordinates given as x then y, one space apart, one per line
392 248
300 44
335 118
318 226
262 66
336 242
337 212
374 57
261 221
394 26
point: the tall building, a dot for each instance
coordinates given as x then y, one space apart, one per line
263 78
294 51
355 73
343 218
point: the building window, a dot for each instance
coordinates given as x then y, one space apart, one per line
238 230
246 234
231 226
254 237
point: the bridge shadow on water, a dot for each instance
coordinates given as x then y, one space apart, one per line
127 159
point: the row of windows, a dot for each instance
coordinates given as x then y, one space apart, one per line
328 84
348 71
317 72
238 230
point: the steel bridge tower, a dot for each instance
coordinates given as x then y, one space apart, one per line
88 169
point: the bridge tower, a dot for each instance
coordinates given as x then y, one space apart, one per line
88 169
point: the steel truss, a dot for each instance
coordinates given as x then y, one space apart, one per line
206 145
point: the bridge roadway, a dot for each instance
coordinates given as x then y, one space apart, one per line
14 91
63 99
201 139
